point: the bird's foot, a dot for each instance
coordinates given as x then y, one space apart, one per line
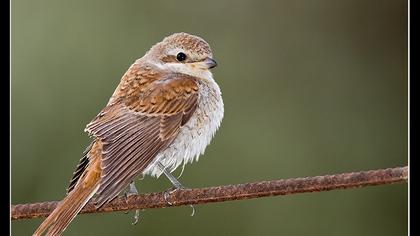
177 185
132 190
170 191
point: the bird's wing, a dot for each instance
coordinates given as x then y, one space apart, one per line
143 119
80 169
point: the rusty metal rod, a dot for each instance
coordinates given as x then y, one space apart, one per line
228 192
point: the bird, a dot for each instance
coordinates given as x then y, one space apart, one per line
163 114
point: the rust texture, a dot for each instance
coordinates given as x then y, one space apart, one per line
228 192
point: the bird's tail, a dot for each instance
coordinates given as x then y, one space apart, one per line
71 205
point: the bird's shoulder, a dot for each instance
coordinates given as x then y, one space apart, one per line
148 89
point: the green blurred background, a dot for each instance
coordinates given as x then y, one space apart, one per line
310 88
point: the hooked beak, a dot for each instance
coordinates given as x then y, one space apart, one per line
210 63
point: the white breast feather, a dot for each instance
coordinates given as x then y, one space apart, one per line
197 133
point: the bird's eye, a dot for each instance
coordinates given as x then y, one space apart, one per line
181 56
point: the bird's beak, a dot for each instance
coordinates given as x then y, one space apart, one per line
205 64
210 63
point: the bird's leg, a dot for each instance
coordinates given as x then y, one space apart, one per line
132 190
175 182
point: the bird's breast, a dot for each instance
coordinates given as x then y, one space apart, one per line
196 134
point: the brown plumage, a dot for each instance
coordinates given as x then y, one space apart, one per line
68 208
140 124
153 102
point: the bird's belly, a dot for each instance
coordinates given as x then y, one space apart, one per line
195 135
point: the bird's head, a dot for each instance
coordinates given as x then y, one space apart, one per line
183 53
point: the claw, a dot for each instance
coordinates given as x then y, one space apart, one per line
174 182
167 193
132 191
136 217
193 210
171 191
